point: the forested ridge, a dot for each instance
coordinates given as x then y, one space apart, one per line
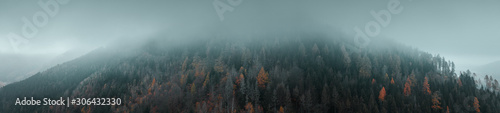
303 72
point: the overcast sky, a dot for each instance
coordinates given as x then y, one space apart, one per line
464 31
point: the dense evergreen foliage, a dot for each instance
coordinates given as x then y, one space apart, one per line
306 72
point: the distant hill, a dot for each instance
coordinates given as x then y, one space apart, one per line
492 69
296 72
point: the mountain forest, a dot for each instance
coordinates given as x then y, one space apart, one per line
301 72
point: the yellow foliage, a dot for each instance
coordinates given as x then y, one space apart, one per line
262 78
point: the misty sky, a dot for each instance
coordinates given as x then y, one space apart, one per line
464 31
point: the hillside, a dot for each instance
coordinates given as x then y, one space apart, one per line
490 69
296 72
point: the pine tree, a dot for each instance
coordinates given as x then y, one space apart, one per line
315 49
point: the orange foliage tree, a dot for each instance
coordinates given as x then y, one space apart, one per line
392 80
151 87
435 101
459 82
249 108
281 110
476 105
262 78
407 89
426 88
382 94
373 81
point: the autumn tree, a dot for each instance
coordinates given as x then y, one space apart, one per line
151 86
392 80
207 79
373 81
476 105
426 88
262 78
382 94
281 110
407 89
447 109
459 82
435 101
249 108
193 88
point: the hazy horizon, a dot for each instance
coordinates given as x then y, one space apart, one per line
463 31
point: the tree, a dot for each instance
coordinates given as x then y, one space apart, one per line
151 86
325 50
365 66
495 85
447 109
382 94
426 88
193 88
488 82
407 89
302 49
459 82
346 59
249 108
281 110
435 101
315 49
262 78
373 81
325 98
476 105
392 80
207 79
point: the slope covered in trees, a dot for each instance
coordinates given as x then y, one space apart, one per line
303 72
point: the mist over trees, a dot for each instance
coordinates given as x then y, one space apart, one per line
289 72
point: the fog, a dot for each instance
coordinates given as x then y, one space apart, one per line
464 31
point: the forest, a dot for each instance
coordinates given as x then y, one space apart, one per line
302 72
